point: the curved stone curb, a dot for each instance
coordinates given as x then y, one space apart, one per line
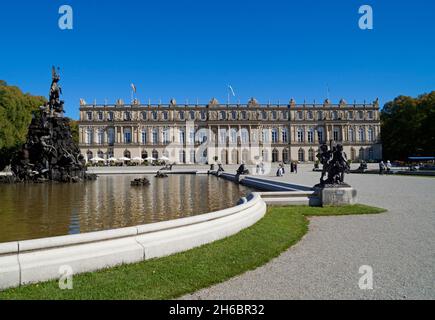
31 261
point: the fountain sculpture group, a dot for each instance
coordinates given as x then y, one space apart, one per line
49 153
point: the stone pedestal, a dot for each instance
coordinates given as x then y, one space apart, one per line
337 196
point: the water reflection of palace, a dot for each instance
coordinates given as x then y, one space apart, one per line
110 202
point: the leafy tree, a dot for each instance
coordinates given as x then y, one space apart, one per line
408 127
15 116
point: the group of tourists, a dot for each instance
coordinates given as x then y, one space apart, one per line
281 169
385 168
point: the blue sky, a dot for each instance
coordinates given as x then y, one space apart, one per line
191 49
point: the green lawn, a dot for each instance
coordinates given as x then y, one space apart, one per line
186 272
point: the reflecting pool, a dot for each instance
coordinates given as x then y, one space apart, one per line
29 211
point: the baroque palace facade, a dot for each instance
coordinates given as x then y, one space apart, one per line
229 133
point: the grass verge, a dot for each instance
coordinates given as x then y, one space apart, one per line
187 272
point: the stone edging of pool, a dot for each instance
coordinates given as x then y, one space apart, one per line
32 261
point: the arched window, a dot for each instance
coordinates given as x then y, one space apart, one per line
234 156
223 115
203 115
285 155
224 156
89 155
144 115
244 115
234 115
311 155
144 154
352 154
361 154
301 155
275 154
336 134
165 115
155 154
165 136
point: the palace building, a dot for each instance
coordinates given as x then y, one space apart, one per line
229 133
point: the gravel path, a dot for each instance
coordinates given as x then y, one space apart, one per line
399 245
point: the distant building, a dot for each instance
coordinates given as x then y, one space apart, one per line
231 133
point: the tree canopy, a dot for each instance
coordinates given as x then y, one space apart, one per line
15 116
408 127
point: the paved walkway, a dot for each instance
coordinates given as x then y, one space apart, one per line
399 245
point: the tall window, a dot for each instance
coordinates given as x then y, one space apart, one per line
202 136
203 115
274 135
223 115
311 155
100 136
336 134
127 135
370 115
265 135
234 115
89 136
300 135
127 116
361 134
360 115
144 115
182 135
284 135
264 115
191 135
245 136
310 136
222 136
154 115
233 136
351 137
320 134
181 115
155 136
110 116
350 115
89 116
192 115
370 135
310 115
165 134
273 115
111 136
100 116
144 136
165 115
300 115
301 155
334 115
244 115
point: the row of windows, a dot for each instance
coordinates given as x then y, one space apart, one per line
201 136
233 115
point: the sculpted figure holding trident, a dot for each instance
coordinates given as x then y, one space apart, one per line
55 104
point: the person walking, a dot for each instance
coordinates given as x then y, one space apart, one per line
296 167
389 166
381 168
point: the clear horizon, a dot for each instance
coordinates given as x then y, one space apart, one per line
191 50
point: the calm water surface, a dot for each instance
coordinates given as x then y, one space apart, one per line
30 211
